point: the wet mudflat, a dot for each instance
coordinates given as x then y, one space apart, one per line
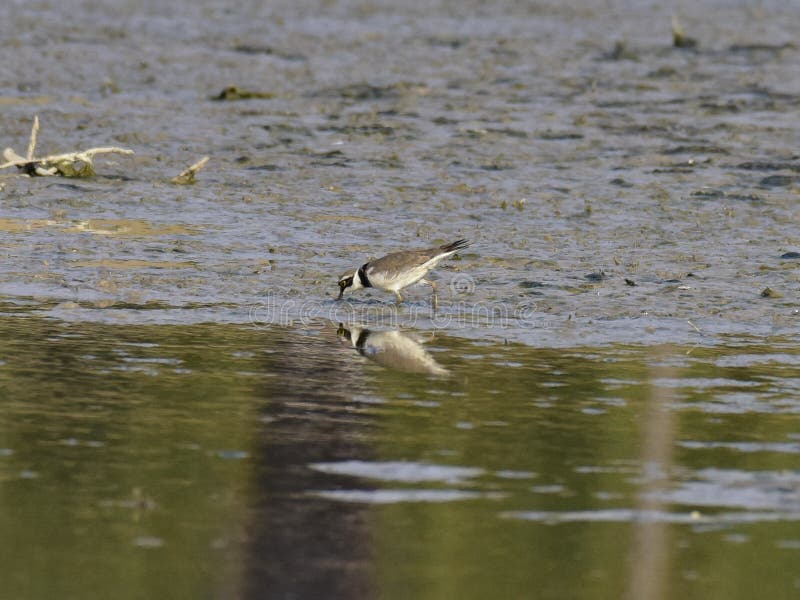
605 404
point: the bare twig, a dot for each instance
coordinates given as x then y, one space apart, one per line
14 160
186 176
32 141
70 164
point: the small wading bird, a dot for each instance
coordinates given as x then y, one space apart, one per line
398 270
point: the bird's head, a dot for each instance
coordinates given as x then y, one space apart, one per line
345 281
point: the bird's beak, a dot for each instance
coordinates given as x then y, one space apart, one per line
341 293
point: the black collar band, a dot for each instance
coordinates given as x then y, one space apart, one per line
362 275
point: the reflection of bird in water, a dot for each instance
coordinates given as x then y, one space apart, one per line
392 349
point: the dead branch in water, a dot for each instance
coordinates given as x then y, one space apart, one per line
70 164
186 176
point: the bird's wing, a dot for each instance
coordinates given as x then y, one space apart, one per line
399 262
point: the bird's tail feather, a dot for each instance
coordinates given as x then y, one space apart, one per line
457 245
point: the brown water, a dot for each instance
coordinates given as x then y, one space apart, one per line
186 411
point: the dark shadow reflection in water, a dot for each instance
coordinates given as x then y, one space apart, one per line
301 545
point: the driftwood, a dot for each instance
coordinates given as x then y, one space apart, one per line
186 176
71 164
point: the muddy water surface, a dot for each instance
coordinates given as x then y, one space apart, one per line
605 403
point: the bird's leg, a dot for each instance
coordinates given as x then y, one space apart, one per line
435 298
399 297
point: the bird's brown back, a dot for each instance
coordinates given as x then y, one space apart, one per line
397 262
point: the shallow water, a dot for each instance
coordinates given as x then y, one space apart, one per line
605 403
230 461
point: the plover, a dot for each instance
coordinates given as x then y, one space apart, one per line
398 270
392 349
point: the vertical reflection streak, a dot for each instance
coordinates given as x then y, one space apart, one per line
649 558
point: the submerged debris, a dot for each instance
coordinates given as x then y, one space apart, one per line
758 165
679 38
708 193
71 164
236 93
768 48
596 276
620 182
363 92
620 51
779 180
